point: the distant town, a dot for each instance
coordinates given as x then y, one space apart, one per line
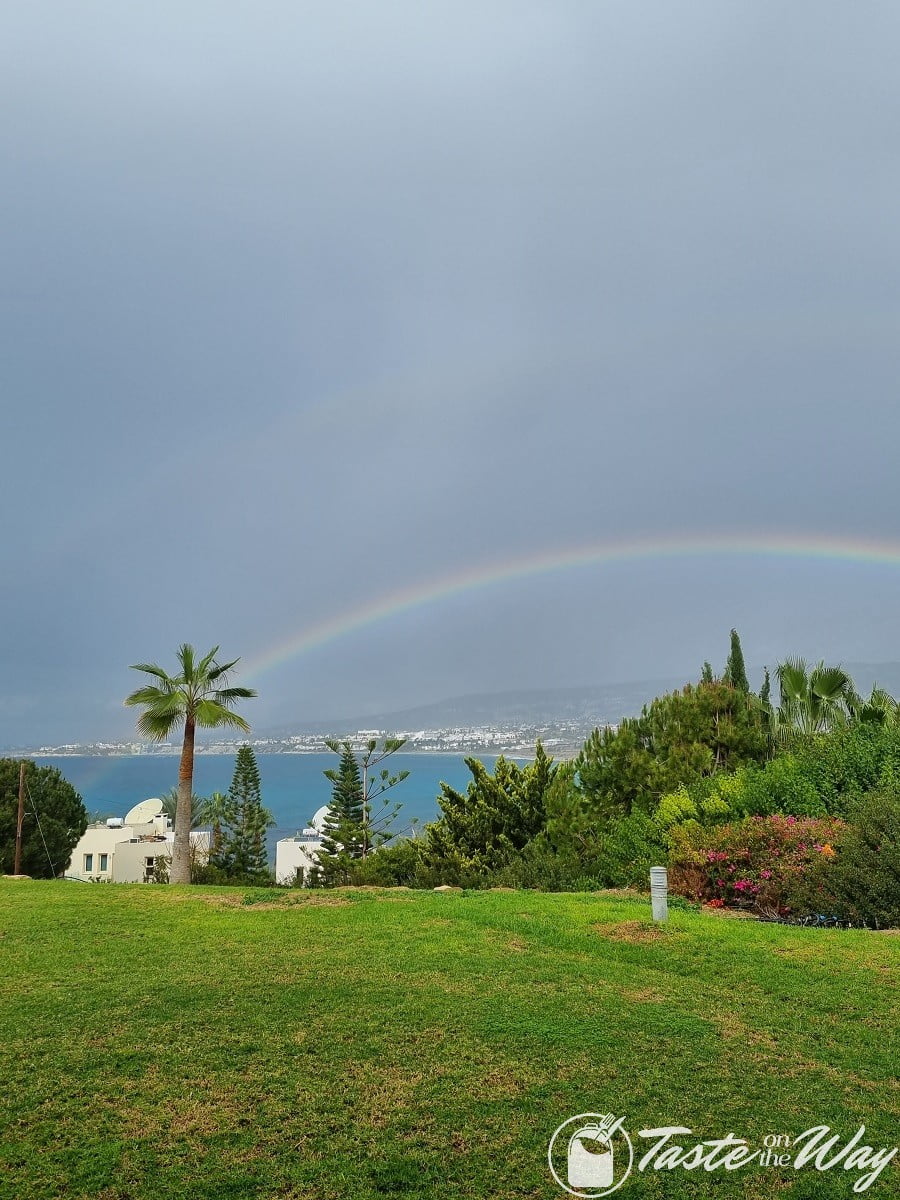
561 737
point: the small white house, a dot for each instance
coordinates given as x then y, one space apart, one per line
125 849
296 856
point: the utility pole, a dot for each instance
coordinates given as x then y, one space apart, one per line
17 869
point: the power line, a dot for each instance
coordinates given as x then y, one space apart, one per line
40 829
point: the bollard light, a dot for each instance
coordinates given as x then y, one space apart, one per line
659 893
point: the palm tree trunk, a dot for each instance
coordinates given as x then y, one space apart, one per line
181 848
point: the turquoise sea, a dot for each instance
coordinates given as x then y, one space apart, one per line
293 785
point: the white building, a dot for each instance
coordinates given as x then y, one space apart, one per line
298 853
125 849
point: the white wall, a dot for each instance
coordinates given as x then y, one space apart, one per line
292 854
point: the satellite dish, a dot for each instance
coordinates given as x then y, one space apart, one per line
143 813
318 821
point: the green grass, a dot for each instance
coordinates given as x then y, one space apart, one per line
209 1043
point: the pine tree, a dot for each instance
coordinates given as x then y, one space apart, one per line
358 818
485 827
342 835
735 671
245 821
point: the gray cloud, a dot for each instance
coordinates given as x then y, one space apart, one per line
301 305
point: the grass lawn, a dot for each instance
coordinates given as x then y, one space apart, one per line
214 1043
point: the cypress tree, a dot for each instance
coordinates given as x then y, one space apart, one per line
765 692
735 671
246 821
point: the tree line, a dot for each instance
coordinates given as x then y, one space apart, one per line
706 762
807 744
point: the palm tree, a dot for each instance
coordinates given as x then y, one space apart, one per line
879 709
217 811
195 696
198 807
812 700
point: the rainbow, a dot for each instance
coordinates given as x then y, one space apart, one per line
471 579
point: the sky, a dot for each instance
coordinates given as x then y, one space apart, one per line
306 305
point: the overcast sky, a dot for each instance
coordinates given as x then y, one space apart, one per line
304 303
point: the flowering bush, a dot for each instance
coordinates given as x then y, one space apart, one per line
777 864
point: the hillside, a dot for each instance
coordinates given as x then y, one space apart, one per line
589 706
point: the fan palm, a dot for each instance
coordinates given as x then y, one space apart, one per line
879 709
197 695
812 700
217 812
198 808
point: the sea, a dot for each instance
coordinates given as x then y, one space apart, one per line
293 785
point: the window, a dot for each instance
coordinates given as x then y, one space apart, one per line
88 863
104 862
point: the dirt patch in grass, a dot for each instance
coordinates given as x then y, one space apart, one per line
151 1108
734 914
732 1028
645 995
380 1095
439 982
791 1063
313 900
269 898
635 933
375 887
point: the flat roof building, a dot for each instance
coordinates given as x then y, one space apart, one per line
125 849
296 857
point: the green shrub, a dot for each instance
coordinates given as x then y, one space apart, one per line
222 877
541 867
847 764
396 865
866 872
627 849
826 774
782 786
485 828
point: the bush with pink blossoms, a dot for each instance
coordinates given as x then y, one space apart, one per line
777 865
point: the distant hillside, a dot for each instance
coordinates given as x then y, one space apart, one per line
587 706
